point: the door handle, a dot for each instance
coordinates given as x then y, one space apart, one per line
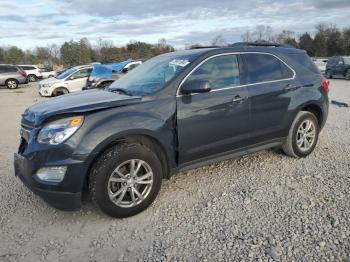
289 87
238 99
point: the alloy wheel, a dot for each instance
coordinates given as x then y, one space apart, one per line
306 135
12 84
130 183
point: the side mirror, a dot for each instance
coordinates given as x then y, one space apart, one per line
125 70
195 86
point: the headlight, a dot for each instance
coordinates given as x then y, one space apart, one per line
59 131
46 85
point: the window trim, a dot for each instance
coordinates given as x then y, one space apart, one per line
178 94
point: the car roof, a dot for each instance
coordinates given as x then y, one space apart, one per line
239 48
82 66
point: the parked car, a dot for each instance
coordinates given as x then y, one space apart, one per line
102 76
11 76
71 80
33 72
174 112
338 66
321 64
48 73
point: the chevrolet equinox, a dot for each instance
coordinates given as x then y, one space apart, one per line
176 111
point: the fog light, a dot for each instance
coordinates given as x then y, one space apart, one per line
51 174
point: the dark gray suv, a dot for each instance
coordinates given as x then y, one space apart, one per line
11 76
338 66
177 111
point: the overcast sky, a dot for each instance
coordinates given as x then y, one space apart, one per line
30 23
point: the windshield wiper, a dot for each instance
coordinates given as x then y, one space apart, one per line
122 90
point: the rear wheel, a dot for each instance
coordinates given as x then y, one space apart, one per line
32 78
303 135
60 91
347 75
125 180
329 74
11 83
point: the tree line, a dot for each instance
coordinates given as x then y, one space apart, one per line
328 40
80 52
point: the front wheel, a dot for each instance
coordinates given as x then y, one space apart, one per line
347 75
303 135
32 78
125 180
60 91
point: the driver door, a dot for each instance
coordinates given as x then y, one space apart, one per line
78 80
216 122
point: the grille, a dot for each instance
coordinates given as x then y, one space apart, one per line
22 146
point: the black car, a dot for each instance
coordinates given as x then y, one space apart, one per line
338 66
177 111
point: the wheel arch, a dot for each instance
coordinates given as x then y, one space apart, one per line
142 138
316 110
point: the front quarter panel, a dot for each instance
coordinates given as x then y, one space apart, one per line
102 129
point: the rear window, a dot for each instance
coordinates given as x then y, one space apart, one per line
347 60
303 62
265 67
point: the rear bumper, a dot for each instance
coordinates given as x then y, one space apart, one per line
53 194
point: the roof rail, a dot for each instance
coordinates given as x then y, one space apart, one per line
261 44
201 47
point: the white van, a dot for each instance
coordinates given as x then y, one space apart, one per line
70 80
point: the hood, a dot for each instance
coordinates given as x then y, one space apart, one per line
50 80
76 103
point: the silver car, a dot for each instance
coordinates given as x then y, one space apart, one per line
11 76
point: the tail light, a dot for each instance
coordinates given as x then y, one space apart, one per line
325 85
24 74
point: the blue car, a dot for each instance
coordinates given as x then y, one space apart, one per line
103 75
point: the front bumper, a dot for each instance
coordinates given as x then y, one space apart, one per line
54 194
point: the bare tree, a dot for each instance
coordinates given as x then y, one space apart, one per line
247 36
218 40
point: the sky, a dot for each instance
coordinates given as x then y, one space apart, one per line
31 23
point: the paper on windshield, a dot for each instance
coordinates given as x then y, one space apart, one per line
179 62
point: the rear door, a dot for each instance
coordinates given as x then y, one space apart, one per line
270 83
215 122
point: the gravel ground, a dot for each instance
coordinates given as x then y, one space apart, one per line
261 207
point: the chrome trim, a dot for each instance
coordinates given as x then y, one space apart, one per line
236 53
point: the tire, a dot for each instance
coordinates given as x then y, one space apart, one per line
32 78
120 156
329 74
291 146
11 83
60 91
347 75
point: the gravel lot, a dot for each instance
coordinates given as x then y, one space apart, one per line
261 207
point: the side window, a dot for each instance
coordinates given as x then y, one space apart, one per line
133 66
263 68
221 71
81 74
11 69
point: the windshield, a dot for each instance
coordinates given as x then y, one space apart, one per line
347 60
66 73
152 75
